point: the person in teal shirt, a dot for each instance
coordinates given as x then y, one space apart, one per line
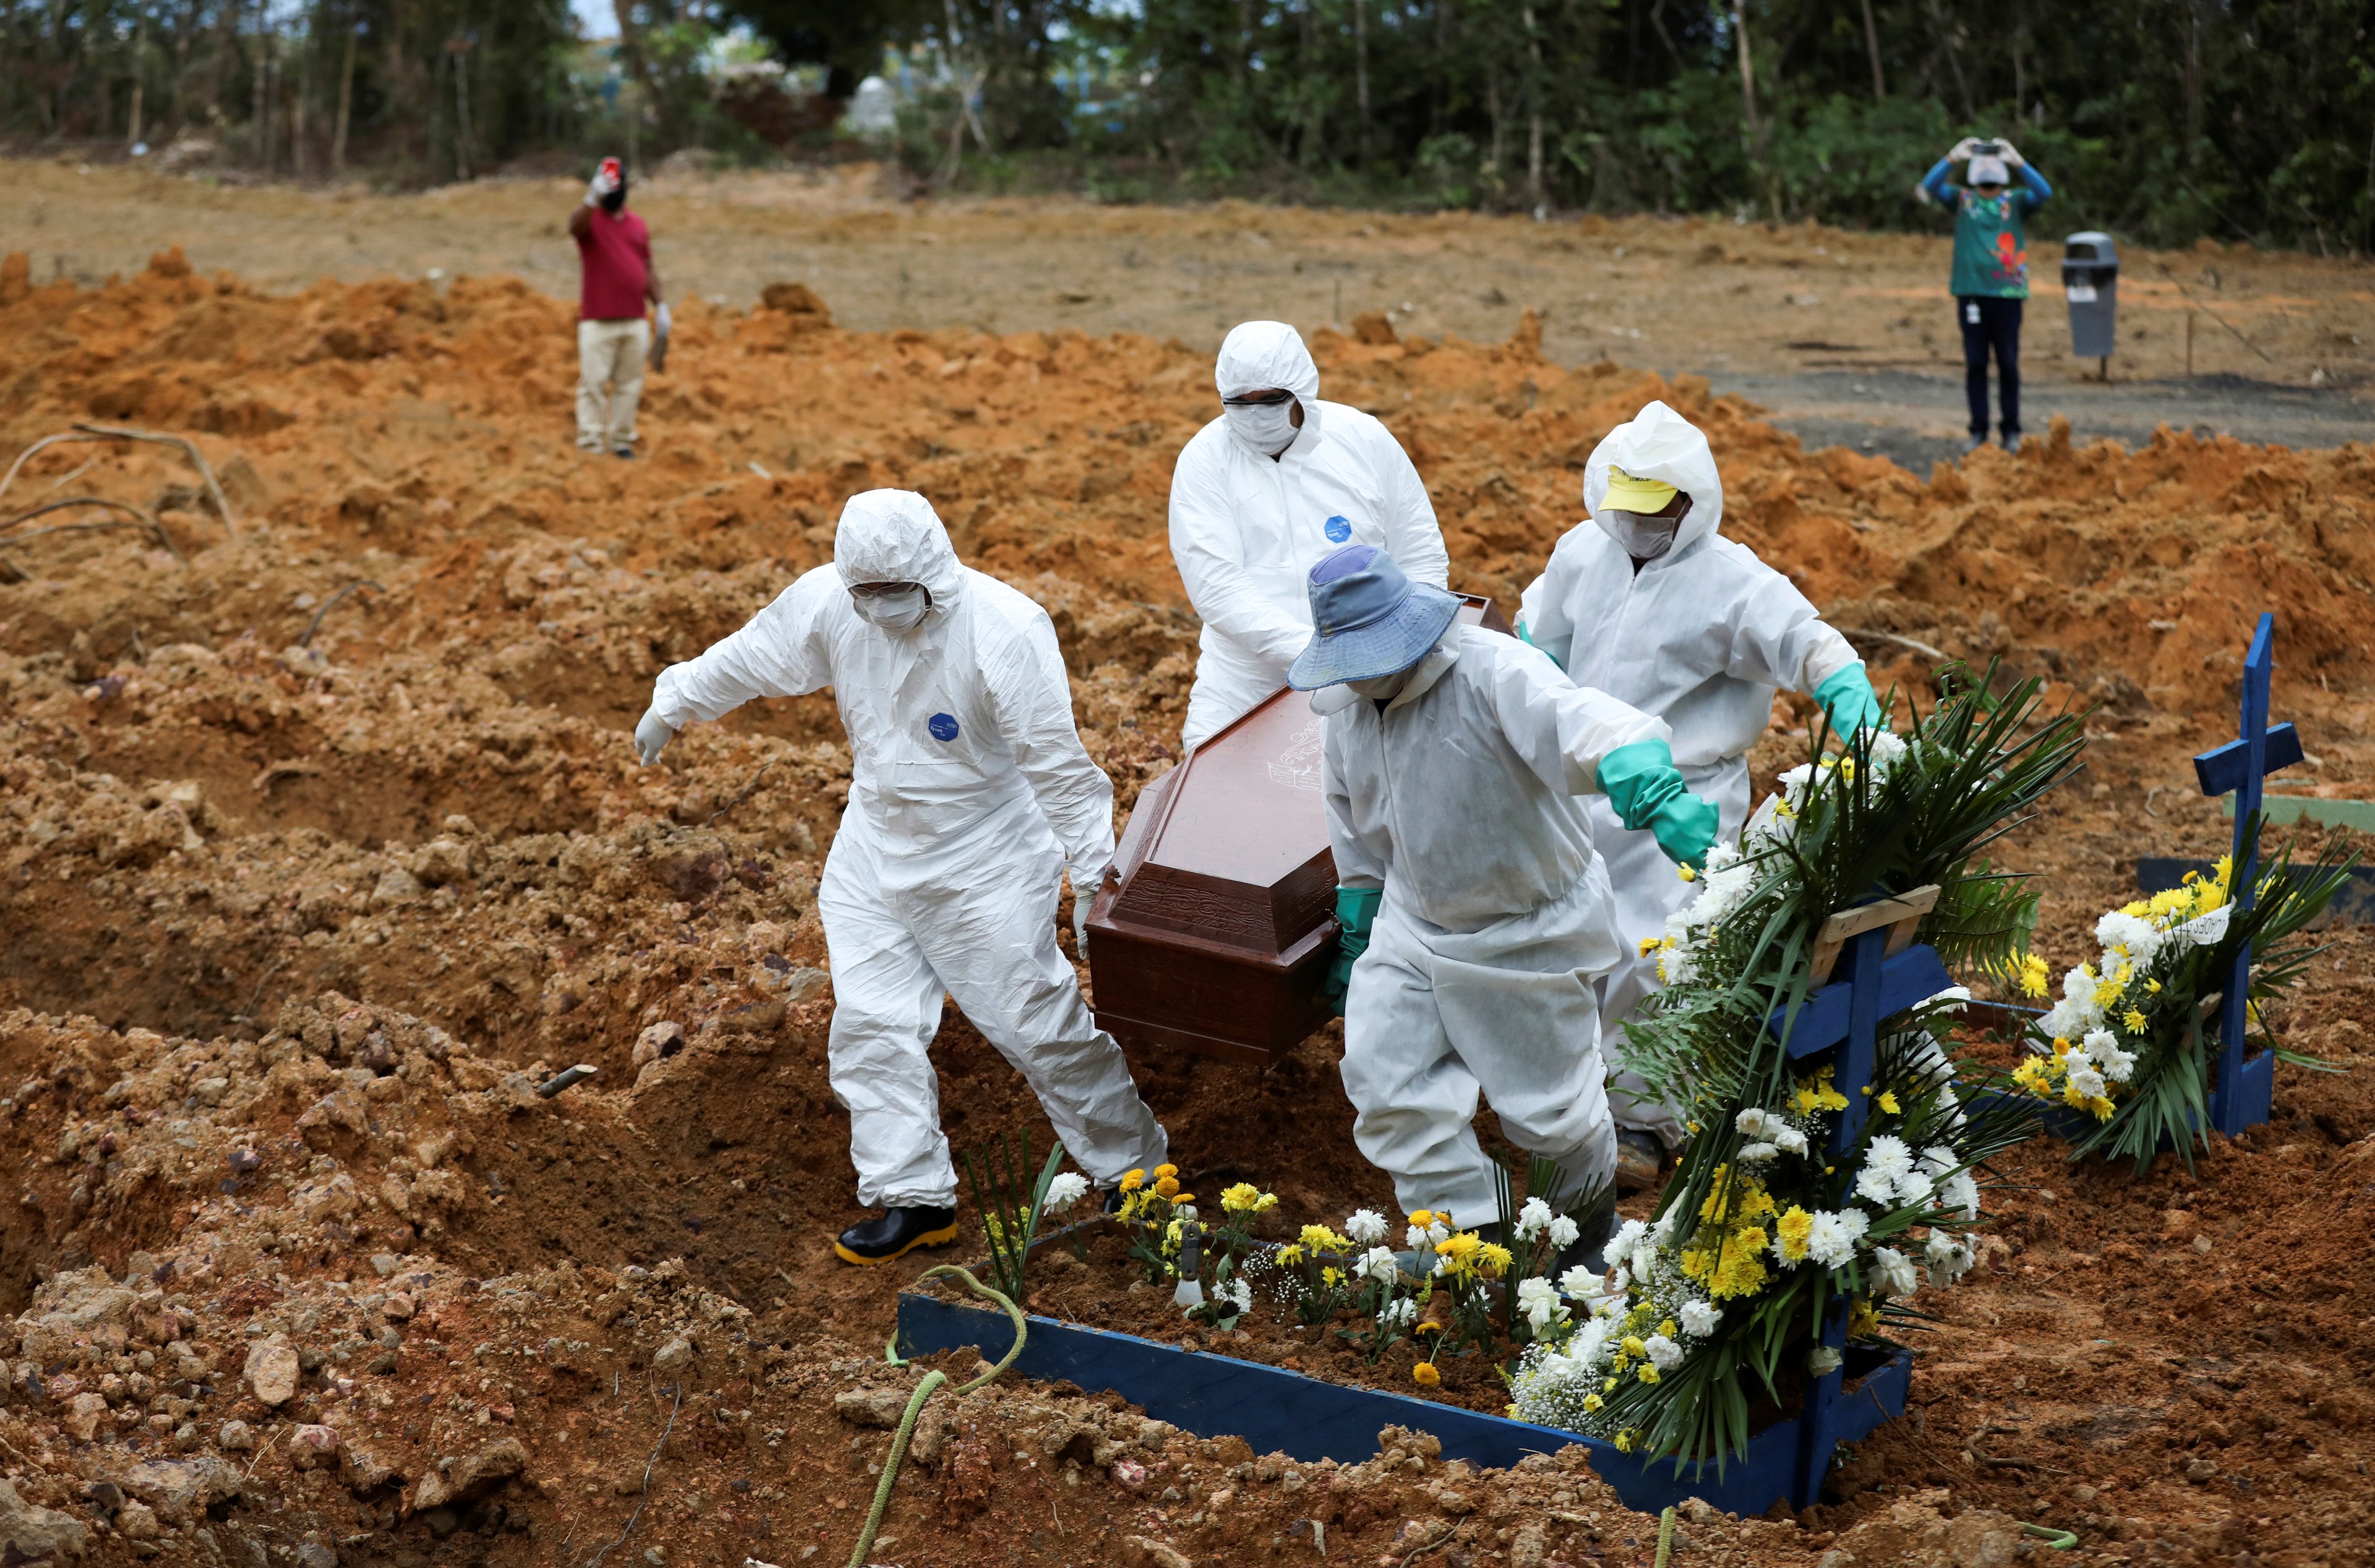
1991 276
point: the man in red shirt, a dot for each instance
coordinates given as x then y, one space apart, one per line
614 253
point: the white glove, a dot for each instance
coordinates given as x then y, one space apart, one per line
660 339
1084 894
2009 153
605 180
652 732
1964 148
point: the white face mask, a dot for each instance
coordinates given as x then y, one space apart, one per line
1643 538
902 611
1267 428
1385 688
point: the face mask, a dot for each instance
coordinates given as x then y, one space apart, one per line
1385 688
1267 428
1643 538
902 611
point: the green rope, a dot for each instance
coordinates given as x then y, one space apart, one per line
924 1390
2058 1541
1665 1536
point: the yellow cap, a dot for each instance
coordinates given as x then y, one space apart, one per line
1626 493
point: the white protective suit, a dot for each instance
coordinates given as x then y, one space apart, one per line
1700 637
1460 798
969 792
1246 530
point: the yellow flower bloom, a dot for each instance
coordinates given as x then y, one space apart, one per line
1319 1238
1162 1171
1132 1180
1863 1319
1331 1276
1423 1218
1651 944
2153 987
1185 1198
2034 1075
1624 1441
2137 908
1670 1329
1633 1346
1790 1234
1494 1258
2033 976
2100 1108
1648 1374
1687 873
2134 1021
1167 1187
1888 1103
1593 1402
1424 1375
1289 1256
1609 1387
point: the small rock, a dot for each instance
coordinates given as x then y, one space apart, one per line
314 1554
1143 1553
1698 1511
659 1040
82 1418
272 1369
1130 1474
137 1521
385 1263
139 1268
1455 1503
246 1161
2201 1470
1838 1558
395 886
30 1534
677 1352
311 1447
871 1407
1526 1547
236 1437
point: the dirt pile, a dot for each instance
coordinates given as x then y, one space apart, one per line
303 895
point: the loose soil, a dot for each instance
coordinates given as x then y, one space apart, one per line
291 932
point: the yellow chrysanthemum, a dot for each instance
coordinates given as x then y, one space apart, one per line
1649 1373
1162 1171
1289 1256
2033 976
1593 1402
1863 1319
1167 1187
1495 1259
1791 1233
1624 1441
1651 944
1634 1347
1422 1217
1331 1276
1132 1180
1888 1103
1424 1375
1319 1238
2134 1021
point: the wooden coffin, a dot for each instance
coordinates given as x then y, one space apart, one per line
1215 928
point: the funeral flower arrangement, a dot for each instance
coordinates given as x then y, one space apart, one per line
1777 1218
2130 1042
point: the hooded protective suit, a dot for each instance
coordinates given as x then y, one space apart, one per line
1246 529
1495 919
969 791
1700 637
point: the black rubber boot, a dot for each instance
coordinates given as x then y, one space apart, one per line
897 1233
1640 1159
1113 1200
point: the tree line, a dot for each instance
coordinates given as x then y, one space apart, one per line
2161 120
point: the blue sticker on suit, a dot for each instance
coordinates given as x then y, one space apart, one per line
942 725
1339 529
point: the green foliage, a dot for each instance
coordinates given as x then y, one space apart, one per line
1011 1201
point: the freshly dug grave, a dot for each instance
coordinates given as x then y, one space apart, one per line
228 861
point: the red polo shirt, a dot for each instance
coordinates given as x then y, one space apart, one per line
615 257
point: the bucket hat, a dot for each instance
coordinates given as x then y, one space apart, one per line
1368 619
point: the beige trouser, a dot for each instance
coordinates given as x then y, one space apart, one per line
610 369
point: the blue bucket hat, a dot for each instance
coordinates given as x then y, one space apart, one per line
1368 619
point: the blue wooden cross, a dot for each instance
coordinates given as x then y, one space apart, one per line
2246 1092
1846 1014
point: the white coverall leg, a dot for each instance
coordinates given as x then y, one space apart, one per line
1647 890
1433 1016
899 933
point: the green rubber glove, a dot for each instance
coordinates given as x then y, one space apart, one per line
1848 698
1648 791
1356 910
1527 639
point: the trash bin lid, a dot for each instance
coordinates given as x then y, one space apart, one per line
2091 246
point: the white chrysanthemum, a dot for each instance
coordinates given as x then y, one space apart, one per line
2114 1064
1888 749
1951 996
1534 1218
1237 1294
1756 1123
1897 1276
1580 1283
1915 1187
1960 1197
1563 1233
1366 1227
2131 936
1398 1314
1664 1354
1629 1235
1789 1140
1662 1229
1875 1186
1949 1258
1378 1264
1757 1153
2088 1082
1888 1154
1938 1160
1539 1300
1831 1239
1699 1318
1590 1341
1066 1189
